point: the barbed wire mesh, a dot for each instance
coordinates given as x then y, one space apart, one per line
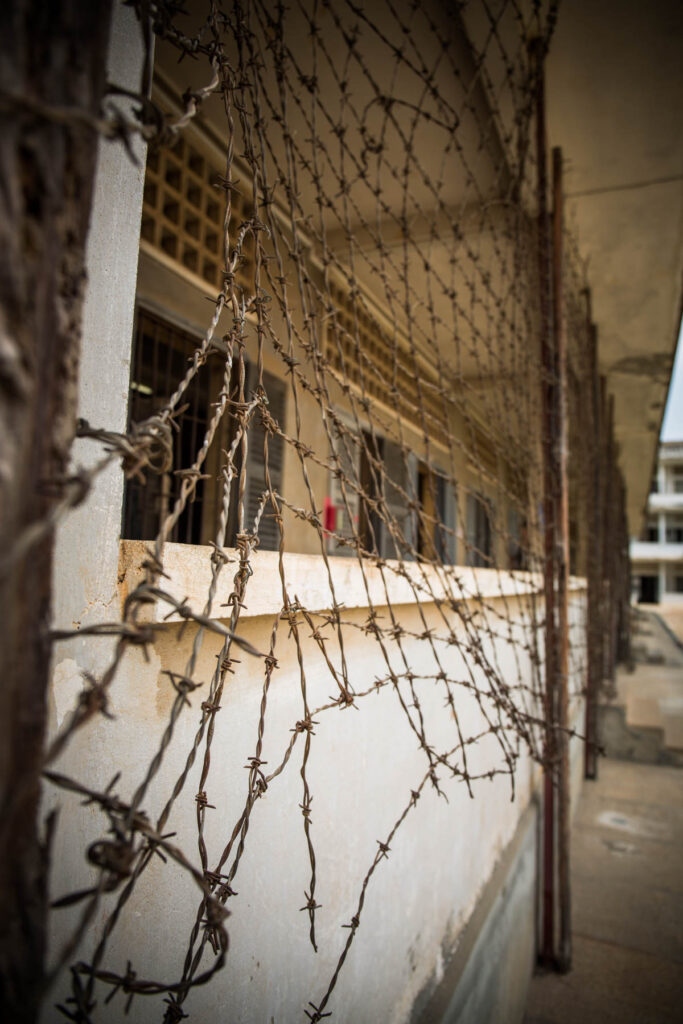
355 187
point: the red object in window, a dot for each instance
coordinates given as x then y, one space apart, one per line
329 515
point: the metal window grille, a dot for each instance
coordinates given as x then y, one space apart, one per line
432 537
256 486
160 357
479 533
161 352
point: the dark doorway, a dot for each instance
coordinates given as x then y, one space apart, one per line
649 590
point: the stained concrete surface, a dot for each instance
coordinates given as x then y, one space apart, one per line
627 889
672 614
643 718
486 976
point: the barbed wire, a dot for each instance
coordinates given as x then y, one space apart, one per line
388 268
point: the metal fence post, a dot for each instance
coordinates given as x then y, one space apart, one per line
594 562
561 453
547 953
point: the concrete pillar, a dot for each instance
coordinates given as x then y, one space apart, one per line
661 528
85 585
87 543
661 478
662 580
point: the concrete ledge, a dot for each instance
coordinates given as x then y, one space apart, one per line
642 744
189 566
489 971
667 628
653 551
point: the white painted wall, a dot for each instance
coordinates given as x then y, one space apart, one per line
363 765
87 543
664 558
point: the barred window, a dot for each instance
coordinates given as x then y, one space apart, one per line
396 506
674 530
435 539
479 535
160 357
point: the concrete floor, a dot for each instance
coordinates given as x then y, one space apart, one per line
672 615
627 889
652 694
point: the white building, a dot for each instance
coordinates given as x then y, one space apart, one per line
657 557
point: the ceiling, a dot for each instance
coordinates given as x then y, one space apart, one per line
615 97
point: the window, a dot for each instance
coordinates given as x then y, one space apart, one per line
677 481
342 504
678 584
518 539
479 550
387 480
397 533
161 352
432 498
160 357
383 515
436 523
276 390
674 531
652 531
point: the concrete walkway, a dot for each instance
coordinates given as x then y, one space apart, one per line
672 615
627 890
643 720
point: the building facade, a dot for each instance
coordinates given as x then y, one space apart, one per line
657 556
366 515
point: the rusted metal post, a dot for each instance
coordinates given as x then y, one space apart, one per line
594 567
610 546
624 634
604 530
547 952
562 557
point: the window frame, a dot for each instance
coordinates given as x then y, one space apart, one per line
208 497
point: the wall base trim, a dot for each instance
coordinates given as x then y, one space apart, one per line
489 970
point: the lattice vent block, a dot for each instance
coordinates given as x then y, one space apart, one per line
367 355
183 212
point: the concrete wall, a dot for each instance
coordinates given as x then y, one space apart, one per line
485 974
363 766
489 970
